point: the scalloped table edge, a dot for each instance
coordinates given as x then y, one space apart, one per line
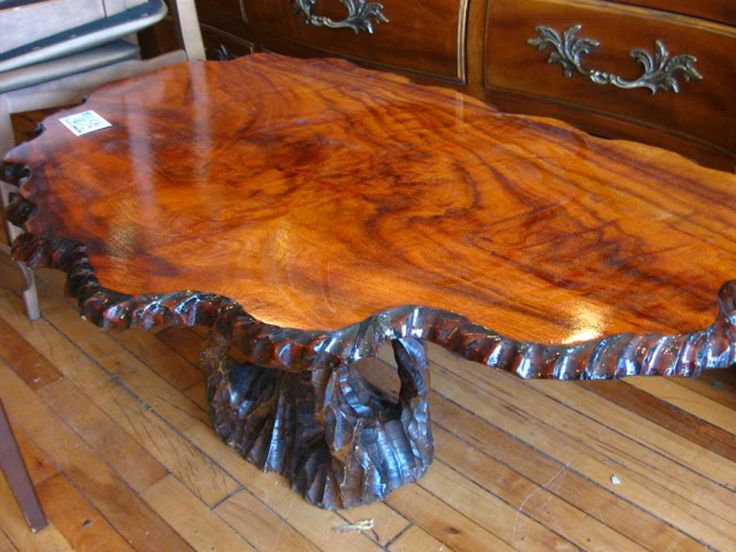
289 349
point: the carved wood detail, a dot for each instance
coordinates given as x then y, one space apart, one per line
298 405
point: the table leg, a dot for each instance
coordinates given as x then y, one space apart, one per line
17 476
340 441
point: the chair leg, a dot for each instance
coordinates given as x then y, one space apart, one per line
188 30
17 476
30 294
7 141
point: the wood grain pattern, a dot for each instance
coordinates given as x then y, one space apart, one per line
278 188
424 197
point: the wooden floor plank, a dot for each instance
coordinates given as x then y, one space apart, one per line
416 539
201 527
197 393
387 523
510 524
321 527
688 400
14 527
180 340
180 373
559 480
80 523
40 466
137 418
686 425
651 481
121 506
17 353
109 441
679 449
632 440
717 385
524 465
260 526
5 543
526 500
442 522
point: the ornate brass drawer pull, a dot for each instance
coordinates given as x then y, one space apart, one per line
360 15
660 69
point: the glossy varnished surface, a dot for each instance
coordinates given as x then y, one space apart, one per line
317 194
695 113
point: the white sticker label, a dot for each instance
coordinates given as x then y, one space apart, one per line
84 122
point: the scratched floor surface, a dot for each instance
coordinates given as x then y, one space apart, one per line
117 438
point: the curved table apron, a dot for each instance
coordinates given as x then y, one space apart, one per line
320 211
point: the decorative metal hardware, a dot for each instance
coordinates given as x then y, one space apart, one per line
660 69
223 53
361 15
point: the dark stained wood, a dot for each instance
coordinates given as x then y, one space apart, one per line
222 45
225 15
716 10
322 196
420 36
609 124
502 69
697 112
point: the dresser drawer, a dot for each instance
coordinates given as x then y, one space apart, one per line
425 37
715 10
221 45
703 110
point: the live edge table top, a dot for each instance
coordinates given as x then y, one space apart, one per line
316 194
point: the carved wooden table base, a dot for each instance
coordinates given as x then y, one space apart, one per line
340 441
473 240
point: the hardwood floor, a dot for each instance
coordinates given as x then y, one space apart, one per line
115 431
116 435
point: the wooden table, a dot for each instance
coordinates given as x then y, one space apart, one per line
309 212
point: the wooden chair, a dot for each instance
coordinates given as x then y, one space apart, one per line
59 73
16 474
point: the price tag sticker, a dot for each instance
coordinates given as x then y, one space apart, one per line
84 122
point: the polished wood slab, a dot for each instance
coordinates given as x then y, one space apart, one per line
317 194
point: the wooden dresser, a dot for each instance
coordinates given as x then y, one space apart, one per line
611 68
